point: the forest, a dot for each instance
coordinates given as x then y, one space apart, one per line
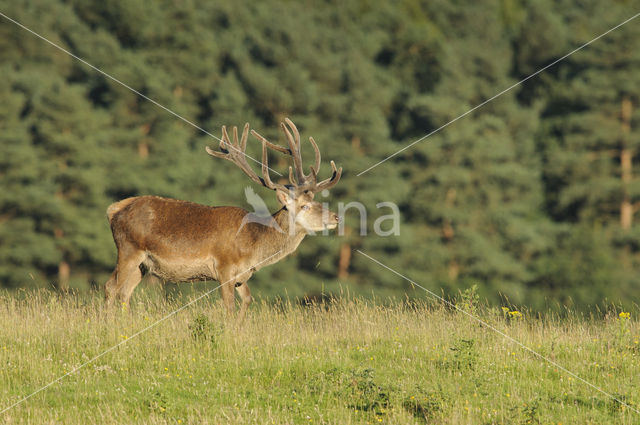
531 198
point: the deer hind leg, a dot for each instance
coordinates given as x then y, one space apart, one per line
110 288
127 275
131 279
245 295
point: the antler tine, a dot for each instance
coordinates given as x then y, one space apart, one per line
225 143
331 181
245 136
294 145
296 133
291 180
317 154
224 151
271 145
234 142
231 151
265 161
265 170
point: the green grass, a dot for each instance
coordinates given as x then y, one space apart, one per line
349 362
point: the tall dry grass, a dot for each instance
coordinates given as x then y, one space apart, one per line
343 362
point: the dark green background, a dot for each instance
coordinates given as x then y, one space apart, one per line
521 197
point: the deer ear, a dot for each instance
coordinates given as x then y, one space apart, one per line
283 197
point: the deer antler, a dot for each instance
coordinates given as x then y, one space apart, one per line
303 182
234 151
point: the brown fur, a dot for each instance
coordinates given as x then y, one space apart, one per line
183 241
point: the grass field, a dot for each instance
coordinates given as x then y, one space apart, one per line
352 361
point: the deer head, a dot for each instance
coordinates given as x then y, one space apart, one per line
297 196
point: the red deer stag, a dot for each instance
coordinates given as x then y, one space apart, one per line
183 241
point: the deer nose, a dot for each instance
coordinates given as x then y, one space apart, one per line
336 217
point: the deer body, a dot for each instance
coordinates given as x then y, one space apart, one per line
183 241
211 240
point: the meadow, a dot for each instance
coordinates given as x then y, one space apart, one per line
344 361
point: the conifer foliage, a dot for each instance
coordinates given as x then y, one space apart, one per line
534 196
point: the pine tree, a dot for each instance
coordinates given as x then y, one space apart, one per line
589 145
473 208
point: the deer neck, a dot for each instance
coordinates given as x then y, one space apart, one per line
273 239
288 238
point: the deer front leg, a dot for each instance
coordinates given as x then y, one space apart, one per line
226 291
245 295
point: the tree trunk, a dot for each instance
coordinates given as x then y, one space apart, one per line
345 261
143 145
454 270
626 156
143 149
64 270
